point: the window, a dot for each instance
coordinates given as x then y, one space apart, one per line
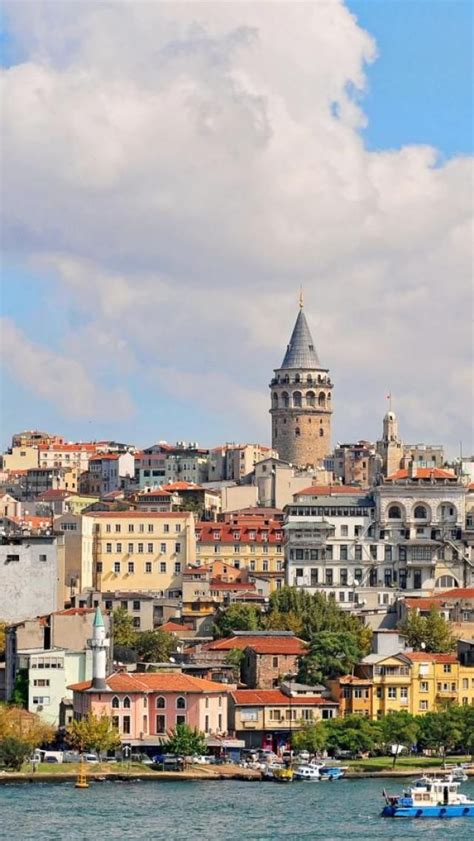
344 531
388 553
136 622
126 724
373 553
41 682
163 548
117 566
118 527
141 527
275 662
115 703
131 567
160 723
140 548
424 687
177 527
180 719
392 692
108 528
162 566
465 683
131 527
150 527
108 547
343 577
177 548
130 548
118 548
394 512
177 567
98 566
423 705
328 576
136 604
265 566
180 703
150 547
166 528
420 512
126 702
249 714
206 724
447 668
148 567
357 553
160 703
343 552
404 692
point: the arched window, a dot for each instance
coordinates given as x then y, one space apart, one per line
310 398
297 431
115 703
275 399
160 703
297 378
322 398
297 399
420 513
329 397
447 512
394 512
126 702
321 432
181 703
446 582
286 378
285 399
309 379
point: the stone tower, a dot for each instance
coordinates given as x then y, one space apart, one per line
390 447
301 404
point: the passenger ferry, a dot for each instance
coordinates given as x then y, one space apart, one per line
429 798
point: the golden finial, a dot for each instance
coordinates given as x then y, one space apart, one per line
301 298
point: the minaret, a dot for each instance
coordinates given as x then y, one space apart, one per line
301 407
99 645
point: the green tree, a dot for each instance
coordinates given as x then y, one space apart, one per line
13 752
123 630
3 626
155 646
466 727
24 726
276 620
237 617
440 731
353 733
399 728
331 655
313 738
186 741
20 689
234 658
93 733
430 633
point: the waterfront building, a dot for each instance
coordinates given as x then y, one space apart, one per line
145 706
244 542
301 401
136 550
267 718
415 681
50 672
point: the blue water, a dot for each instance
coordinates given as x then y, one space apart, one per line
227 810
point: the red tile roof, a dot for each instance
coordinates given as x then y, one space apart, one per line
183 486
218 584
171 626
457 593
329 490
260 644
105 457
74 611
263 697
422 473
53 494
273 529
67 448
424 657
422 603
155 682
345 679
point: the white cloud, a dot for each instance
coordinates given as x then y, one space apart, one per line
59 379
183 167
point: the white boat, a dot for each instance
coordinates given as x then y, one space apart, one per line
457 772
318 772
430 797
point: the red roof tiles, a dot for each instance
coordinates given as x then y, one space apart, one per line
275 697
155 682
260 644
329 490
425 657
422 473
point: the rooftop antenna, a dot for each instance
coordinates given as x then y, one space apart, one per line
301 298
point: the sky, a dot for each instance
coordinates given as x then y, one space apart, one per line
173 172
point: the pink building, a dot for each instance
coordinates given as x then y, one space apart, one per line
146 706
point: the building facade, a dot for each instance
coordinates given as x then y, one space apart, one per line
301 401
31 575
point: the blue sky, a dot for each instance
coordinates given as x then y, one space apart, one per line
418 93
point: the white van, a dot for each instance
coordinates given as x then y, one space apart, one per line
50 757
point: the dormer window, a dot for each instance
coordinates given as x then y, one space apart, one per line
236 535
264 535
216 535
251 535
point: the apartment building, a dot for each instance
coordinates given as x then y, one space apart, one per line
253 543
66 455
108 472
233 462
136 550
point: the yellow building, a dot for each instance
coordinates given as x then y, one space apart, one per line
20 458
244 542
136 550
415 681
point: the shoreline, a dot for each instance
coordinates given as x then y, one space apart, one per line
194 775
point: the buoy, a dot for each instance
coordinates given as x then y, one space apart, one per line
81 781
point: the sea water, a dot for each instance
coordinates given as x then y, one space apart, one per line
211 810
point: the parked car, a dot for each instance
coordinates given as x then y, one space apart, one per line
91 758
71 756
169 761
248 755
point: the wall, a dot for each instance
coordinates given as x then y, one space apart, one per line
30 586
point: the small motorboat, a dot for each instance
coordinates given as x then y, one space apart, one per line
283 775
458 772
429 797
319 772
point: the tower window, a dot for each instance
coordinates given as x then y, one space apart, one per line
297 431
322 398
297 399
321 432
310 398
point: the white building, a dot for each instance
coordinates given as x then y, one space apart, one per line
110 471
50 672
31 575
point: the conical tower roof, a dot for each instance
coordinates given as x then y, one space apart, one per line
301 353
98 618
